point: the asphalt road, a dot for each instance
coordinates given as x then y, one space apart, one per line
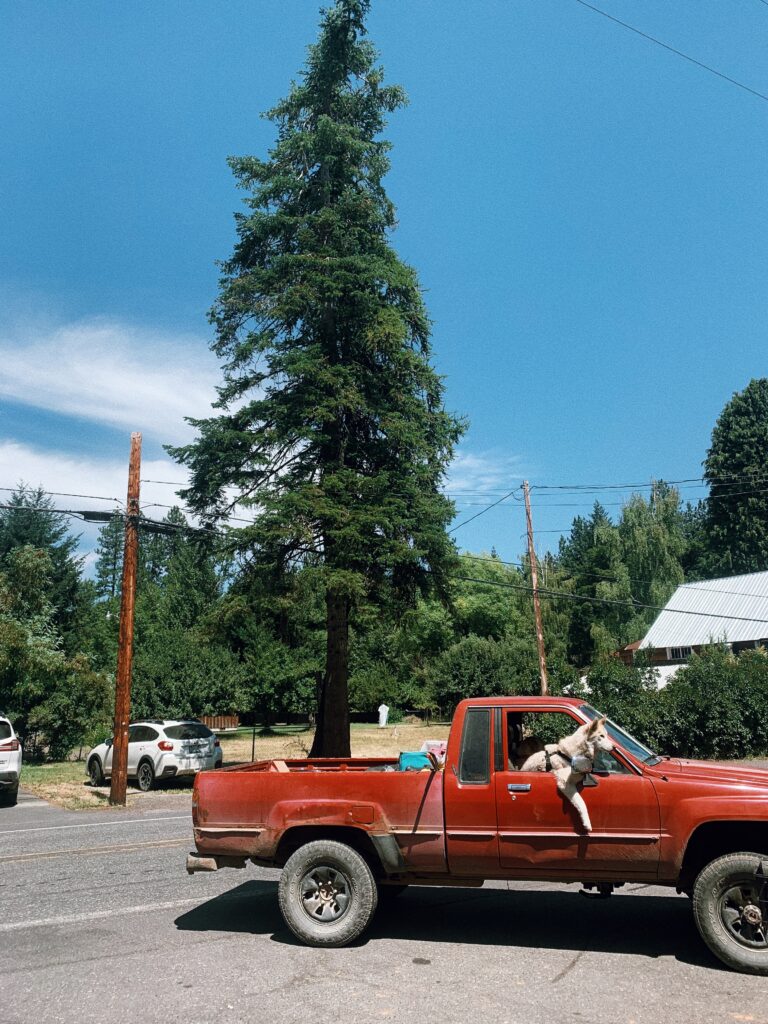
100 922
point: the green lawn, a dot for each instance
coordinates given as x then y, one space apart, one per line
52 774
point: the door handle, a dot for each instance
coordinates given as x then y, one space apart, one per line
519 787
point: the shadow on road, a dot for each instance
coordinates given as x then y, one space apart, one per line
650 926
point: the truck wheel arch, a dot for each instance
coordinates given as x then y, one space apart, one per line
714 839
299 835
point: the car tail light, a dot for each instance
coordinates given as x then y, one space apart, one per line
10 745
216 742
165 745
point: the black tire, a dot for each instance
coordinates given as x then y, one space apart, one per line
313 882
9 797
95 773
145 776
723 891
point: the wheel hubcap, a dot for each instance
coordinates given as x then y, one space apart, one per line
325 893
741 914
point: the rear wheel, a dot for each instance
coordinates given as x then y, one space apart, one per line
95 773
730 906
8 797
145 777
327 894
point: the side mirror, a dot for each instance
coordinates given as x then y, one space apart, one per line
589 781
108 741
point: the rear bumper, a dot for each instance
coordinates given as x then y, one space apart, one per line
9 780
196 862
175 766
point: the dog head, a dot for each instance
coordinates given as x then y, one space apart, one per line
597 735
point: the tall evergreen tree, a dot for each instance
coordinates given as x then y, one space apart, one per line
30 519
590 557
735 468
109 557
333 427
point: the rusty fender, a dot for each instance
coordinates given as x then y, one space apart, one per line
260 842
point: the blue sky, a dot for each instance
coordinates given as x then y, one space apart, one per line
587 213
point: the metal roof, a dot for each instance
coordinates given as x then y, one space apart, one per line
691 617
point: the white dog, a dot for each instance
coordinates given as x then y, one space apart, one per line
570 760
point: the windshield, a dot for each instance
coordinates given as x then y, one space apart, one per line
618 735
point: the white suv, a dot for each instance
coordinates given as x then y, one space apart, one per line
10 762
159 749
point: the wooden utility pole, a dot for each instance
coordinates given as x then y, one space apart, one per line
125 643
535 585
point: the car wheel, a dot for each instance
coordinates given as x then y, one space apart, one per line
145 777
729 907
327 894
8 797
95 774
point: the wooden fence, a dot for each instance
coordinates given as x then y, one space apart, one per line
221 722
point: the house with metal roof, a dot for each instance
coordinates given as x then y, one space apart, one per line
732 610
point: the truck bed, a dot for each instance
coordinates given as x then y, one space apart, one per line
259 805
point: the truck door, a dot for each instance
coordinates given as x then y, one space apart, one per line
470 800
539 830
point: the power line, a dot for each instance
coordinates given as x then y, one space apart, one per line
63 494
183 508
751 478
484 510
606 578
170 483
679 53
606 600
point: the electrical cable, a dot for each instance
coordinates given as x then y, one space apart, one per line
483 511
605 600
692 584
64 494
679 53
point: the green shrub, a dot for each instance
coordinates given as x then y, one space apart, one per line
717 706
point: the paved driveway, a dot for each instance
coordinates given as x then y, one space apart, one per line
98 921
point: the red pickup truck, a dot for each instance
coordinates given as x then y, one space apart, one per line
347 833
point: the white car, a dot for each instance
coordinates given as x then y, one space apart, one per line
10 762
159 749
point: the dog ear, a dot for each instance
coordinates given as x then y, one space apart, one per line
595 725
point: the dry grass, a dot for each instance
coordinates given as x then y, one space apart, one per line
64 783
367 741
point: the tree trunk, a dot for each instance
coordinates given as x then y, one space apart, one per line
332 732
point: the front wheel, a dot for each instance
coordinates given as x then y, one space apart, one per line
145 777
730 907
327 893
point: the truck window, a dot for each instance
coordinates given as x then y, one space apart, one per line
475 760
551 726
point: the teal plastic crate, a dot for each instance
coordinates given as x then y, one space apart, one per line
413 761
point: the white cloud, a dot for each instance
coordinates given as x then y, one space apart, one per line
110 373
86 483
490 473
